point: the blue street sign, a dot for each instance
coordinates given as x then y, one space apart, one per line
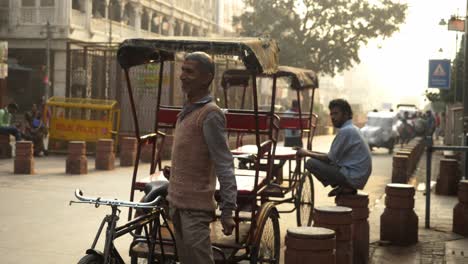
439 74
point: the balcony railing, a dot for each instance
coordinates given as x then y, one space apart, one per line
34 15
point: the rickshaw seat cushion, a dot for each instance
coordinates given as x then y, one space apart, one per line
141 183
154 189
245 180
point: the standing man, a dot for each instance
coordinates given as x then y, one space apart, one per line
199 152
5 121
348 165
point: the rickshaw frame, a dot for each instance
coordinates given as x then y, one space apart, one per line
260 56
300 79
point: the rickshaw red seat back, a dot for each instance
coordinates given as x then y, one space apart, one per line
294 122
167 116
246 121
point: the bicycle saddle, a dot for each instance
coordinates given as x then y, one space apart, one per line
155 189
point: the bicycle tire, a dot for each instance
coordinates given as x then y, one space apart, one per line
267 248
305 200
91 259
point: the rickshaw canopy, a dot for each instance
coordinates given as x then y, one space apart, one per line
301 79
258 54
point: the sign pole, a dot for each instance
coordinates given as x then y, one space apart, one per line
465 93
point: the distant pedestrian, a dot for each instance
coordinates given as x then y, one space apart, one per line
431 123
6 128
437 125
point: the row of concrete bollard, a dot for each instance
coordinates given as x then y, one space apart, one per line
76 162
449 174
405 161
340 234
105 155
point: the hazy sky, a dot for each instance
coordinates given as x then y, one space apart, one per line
399 69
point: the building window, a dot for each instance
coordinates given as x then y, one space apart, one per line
47 2
28 3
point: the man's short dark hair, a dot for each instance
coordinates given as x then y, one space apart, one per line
13 106
343 105
295 103
205 61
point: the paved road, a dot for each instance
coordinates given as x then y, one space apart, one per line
38 226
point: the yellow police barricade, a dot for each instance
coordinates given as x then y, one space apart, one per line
81 119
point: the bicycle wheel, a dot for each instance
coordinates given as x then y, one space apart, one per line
91 259
304 201
266 248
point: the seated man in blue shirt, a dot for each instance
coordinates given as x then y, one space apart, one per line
348 165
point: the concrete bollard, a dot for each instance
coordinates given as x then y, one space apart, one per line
411 163
460 212
400 168
447 182
399 222
5 147
128 149
24 159
146 153
359 203
307 244
105 157
339 219
76 163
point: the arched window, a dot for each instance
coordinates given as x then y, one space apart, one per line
129 15
155 23
165 26
187 30
195 32
145 20
78 5
177 28
114 10
99 9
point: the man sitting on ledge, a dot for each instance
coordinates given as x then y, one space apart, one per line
348 165
5 121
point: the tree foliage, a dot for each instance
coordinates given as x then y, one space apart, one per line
322 35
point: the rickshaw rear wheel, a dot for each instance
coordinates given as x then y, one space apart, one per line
266 246
91 259
305 200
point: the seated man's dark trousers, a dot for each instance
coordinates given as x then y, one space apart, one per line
327 174
11 131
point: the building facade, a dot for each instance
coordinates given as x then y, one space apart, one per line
38 31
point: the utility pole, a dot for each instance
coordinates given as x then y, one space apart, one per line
48 33
108 52
109 16
465 93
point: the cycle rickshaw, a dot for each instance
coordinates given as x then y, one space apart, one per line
297 188
256 235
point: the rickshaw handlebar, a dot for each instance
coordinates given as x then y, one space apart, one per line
113 202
